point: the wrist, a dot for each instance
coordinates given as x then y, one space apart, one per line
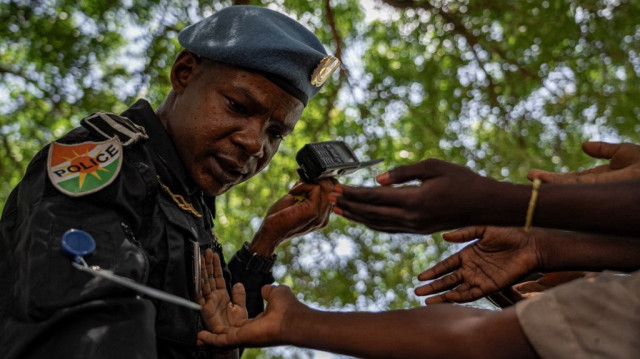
296 322
254 261
502 203
554 248
262 246
544 249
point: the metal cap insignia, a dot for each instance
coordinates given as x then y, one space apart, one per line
324 69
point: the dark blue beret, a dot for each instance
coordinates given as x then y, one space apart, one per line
266 41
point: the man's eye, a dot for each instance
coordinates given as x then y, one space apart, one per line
237 107
277 135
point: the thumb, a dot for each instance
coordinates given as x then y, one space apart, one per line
266 291
464 235
599 149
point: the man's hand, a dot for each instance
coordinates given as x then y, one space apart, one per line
501 256
305 208
624 165
217 308
267 329
446 197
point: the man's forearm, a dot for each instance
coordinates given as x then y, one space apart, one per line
580 251
612 208
439 331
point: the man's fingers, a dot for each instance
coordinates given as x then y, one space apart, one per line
590 175
209 338
201 293
386 196
266 291
218 274
462 294
440 285
379 222
239 295
436 299
441 268
370 211
205 284
302 188
464 234
418 171
599 149
327 184
552 177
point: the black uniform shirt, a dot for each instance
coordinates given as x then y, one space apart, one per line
146 225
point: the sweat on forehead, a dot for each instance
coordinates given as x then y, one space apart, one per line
266 41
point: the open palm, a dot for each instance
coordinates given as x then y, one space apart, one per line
499 257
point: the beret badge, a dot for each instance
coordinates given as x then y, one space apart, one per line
323 71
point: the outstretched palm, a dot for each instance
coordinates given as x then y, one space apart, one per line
217 306
496 260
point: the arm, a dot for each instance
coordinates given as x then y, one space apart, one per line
443 331
293 216
420 332
501 256
451 196
287 218
51 308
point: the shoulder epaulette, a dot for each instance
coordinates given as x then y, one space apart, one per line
108 125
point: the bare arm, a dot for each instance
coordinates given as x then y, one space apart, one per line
442 331
290 217
451 196
502 255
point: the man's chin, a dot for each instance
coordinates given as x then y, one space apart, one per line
214 188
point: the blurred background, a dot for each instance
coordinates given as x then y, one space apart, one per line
498 86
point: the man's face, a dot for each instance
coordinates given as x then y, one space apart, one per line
226 122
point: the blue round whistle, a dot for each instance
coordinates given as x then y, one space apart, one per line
77 244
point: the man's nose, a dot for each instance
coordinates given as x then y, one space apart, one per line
251 139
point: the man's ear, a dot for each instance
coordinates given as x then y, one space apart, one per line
182 69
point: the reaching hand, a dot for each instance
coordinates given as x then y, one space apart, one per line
447 196
305 208
624 165
264 330
500 257
217 308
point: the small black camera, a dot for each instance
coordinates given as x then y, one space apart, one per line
328 159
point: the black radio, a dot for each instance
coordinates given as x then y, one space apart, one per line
328 159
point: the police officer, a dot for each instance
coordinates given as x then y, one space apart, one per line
143 185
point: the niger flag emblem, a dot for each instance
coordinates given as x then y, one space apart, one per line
83 168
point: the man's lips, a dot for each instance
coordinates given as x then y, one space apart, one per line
230 170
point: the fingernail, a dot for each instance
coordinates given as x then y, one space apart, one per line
337 211
332 198
382 178
337 188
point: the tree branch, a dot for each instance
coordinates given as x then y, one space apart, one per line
459 28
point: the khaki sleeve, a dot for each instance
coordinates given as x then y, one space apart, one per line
587 318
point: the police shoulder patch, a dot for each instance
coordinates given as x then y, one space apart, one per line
84 168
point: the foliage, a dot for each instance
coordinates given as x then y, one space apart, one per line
498 86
